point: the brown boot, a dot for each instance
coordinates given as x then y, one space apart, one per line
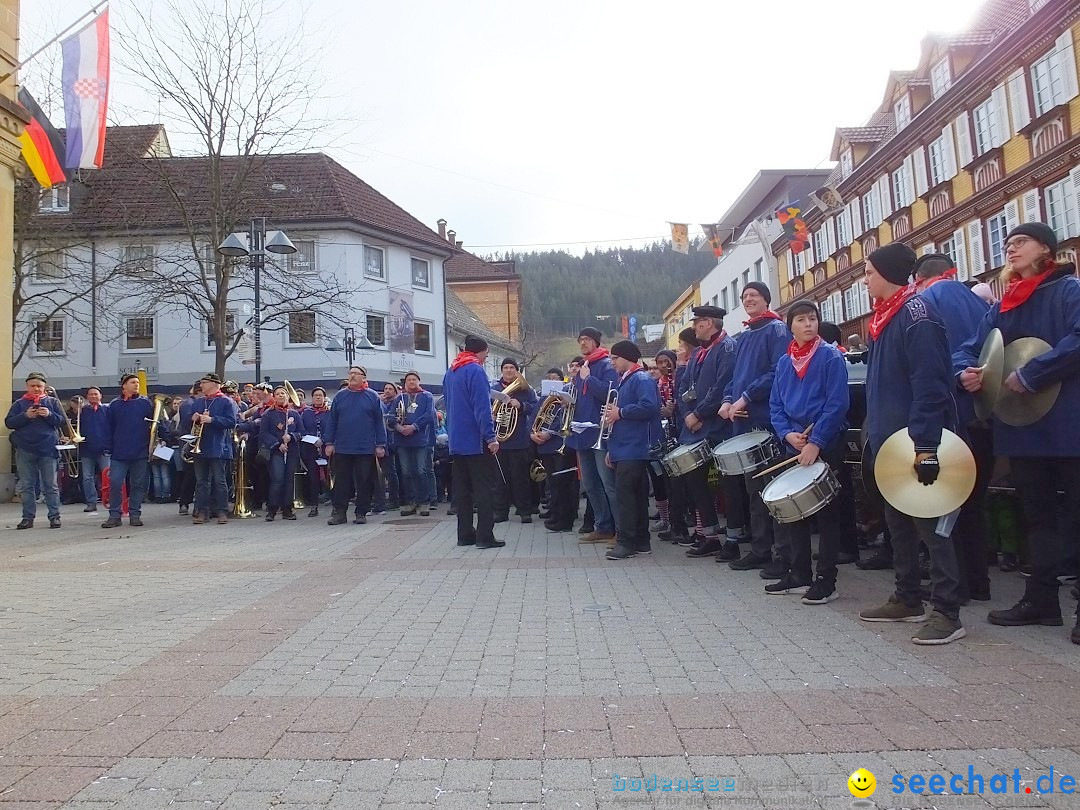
596 537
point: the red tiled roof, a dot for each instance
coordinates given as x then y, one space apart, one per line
464 265
862 134
1001 15
970 38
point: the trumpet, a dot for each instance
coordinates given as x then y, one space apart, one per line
195 448
605 424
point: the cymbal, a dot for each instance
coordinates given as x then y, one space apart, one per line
894 472
1019 410
992 363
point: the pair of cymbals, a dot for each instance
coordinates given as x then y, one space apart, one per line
997 362
894 473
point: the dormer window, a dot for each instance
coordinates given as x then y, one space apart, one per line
847 162
940 77
902 112
55 200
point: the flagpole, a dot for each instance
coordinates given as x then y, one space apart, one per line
52 41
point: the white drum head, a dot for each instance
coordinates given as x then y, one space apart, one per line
792 481
743 442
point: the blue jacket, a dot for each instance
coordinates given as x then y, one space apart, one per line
313 421
962 311
820 398
35 436
909 380
638 427
129 430
422 416
555 442
273 426
466 392
217 436
757 351
94 427
187 410
1052 313
709 372
391 436
519 439
356 425
591 394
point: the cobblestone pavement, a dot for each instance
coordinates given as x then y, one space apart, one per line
292 665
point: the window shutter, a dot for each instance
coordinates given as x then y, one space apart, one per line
960 255
808 255
1001 113
909 180
849 302
963 140
976 262
1018 101
830 238
1012 215
1074 178
885 195
1029 205
948 152
927 249
918 162
857 228
1067 62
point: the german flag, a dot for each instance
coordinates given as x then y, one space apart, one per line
41 144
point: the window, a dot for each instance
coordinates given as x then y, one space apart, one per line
49 336
1048 82
821 246
716 300
902 112
1061 213
137 260
374 262
376 330
745 277
421 273
869 245
49 267
55 200
986 126
139 333
301 329
303 261
940 77
948 247
724 300
422 338
230 328
735 293
846 163
758 265
903 186
871 209
937 161
996 228
843 238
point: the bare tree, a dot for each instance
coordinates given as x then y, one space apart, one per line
234 78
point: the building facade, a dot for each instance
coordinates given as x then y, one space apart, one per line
982 135
491 289
678 316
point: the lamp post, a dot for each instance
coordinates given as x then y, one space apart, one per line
350 344
256 248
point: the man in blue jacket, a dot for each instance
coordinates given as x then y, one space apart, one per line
594 380
217 415
354 438
412 416
515 452
93 458
635 428
33 420
909 387
129 445
471 432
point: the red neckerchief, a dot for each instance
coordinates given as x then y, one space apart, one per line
93 406
463 359
599 354
802 355
35 398
215 395
666 384
948 274
362 387
629 371
133 396
1021 290
704 350
886 308
317 409
769 315
283 408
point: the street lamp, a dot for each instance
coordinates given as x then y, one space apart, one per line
350 345
258 243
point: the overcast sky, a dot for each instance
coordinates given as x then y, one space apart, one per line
604 119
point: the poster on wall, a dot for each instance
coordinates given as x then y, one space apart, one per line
402 340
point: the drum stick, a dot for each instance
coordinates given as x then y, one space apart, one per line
777 466
806 433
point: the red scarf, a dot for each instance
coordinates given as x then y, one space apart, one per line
463 359
666 385
282 408
35 398
599 354
1021 290
768 316
317 409
361 387
948 274
629 371
886 308
802 355
704 350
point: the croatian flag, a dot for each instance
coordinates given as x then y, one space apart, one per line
86 93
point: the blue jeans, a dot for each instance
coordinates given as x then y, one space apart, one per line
211 488
91 465
136 471
415 465
595 489
32 470
162 474
280 492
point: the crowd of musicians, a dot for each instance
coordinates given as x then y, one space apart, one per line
740 439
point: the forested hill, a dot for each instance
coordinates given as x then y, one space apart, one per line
563 292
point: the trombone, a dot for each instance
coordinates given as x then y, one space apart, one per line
72 438
605 425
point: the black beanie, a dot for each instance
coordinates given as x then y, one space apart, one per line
510 362
895 262
1039 231
688 336
799 307
761 287
591 332
475 344
626 350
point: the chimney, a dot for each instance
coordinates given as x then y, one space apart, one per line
442 228
451 237
459 244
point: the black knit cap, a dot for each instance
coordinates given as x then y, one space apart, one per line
1039 231
591 332
761 287
626 350
475 344
801 307
509 361
127 377
895 262
688 336
554 370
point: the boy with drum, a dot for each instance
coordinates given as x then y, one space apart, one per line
808 407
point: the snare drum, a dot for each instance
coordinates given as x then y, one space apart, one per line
801 492
686 458
746 453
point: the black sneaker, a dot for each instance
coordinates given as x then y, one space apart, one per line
729 552
692 541
787 587
491 544
1027 612
111 523
586 529
270 515
336 519
54 523
1009 563
645 549
314 512
774 569
290 515
135 521
183 510
25 523
748 562
620 552
711 546
876 562
90 508
846 558
360 519
820 593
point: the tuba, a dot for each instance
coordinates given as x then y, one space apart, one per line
503 414
155 420
545 417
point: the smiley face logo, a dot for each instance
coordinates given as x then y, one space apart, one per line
862 784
